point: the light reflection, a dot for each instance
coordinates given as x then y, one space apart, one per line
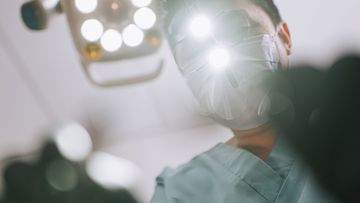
112 172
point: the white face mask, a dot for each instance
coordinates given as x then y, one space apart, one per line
226 77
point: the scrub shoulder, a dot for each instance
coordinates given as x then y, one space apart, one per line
222 174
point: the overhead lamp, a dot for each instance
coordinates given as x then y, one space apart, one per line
104 31
133 36
145 18
111 40
92 30
86 6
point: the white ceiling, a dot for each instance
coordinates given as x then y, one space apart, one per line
41 83
51 71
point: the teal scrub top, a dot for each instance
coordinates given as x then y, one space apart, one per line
225 174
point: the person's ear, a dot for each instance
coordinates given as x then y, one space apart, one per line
285 36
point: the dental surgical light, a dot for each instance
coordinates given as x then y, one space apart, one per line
133 36
145 18
141 3
86 6
200 26
105 32
92 30
111 40
219 58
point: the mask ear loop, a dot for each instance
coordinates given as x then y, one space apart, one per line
265 104
276 61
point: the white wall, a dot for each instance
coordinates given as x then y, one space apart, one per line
152 124
322 30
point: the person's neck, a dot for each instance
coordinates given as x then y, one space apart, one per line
259 141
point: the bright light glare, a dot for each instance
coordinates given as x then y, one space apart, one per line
111 40
86 6
200 26
219 58
141 3
74 142
145 18
133 36
112 172
92 30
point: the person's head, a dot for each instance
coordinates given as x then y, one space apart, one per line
224 48
263 14
266 14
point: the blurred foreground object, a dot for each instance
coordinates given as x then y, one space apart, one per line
60 173
322 121
104 31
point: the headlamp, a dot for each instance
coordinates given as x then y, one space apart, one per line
200 26
219 58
